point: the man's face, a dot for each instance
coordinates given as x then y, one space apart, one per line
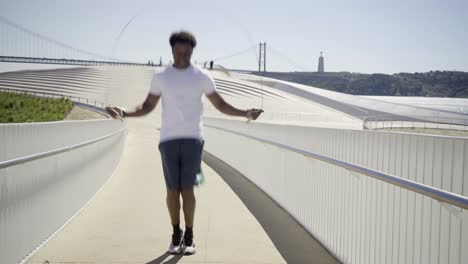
182 52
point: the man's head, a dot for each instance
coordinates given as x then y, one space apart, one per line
182 43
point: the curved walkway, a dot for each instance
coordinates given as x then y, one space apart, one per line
127 221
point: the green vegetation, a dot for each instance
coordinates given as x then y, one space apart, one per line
21 108
433 83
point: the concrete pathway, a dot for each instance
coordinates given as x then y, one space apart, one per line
127 221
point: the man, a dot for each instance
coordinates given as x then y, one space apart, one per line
181 86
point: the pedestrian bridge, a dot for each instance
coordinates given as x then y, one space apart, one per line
322 177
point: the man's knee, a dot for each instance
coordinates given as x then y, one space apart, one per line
188 193
173 194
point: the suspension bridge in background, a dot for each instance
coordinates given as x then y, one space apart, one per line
321 177
37 48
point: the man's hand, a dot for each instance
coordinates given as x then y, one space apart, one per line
228 109
148 106
253 114
115 112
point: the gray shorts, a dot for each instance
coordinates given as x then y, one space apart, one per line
181 160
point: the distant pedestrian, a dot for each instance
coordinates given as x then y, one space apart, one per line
211 65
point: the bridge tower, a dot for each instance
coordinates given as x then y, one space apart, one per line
262 57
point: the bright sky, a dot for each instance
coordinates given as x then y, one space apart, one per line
368 36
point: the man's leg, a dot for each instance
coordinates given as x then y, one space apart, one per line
189 212
173 205
188 197
170 157
170 152
191 160
190 164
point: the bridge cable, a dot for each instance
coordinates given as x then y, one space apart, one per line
53 41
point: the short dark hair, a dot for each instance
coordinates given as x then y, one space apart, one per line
183 37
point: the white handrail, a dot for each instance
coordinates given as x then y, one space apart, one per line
440 195
13 162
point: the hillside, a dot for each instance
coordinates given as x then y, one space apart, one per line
432 84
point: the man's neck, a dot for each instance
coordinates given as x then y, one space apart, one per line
181 66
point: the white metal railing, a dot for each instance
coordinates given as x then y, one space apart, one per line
22 160
411 210
392 153
424 122
48 172
440 195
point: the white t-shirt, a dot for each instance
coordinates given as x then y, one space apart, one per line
181 91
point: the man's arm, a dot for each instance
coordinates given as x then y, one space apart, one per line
225 108
148 106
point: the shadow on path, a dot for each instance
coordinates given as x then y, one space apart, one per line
293 242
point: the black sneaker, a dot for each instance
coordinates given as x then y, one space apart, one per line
176 244
188 245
